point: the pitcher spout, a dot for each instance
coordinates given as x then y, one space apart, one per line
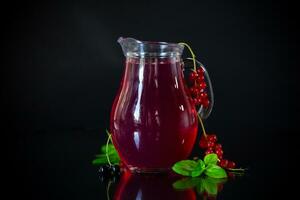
129 45
136 48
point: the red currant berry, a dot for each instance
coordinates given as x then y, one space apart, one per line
193 101
210 149
193 76
208 152
218 146
212 138
210 144
203 142
194 91
205 103
202 86
200 71
200 78
203 95
231 165
223 163
219 153
198 101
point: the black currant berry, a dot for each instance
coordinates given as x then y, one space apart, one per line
105 170
115 169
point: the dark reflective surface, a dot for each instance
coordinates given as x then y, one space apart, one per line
57 165
167 185
162 186
133 186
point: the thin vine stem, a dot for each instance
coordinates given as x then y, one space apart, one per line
195 68
192 53
236 169
202 126
106 148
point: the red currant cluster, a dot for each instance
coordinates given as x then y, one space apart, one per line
199 96
208 142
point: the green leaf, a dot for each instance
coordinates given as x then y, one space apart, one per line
215 171
186 183
101 159
198 169
110 149
211 159
210 186
185 167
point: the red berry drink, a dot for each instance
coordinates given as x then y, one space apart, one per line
153 122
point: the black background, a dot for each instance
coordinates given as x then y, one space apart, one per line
63 66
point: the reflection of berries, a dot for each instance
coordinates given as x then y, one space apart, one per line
231 175
211 198
220 187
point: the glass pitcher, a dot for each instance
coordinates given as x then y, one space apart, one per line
153 122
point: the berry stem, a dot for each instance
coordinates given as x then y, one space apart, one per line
195 69
202 126
192 53
106 148
236 169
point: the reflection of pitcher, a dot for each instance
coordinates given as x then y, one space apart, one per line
143 187
153 122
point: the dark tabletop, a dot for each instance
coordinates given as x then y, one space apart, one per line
57 165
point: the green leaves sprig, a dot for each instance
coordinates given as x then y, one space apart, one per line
196 168
109 154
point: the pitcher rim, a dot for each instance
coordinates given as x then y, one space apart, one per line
144 48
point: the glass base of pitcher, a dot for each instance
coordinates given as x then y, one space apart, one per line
138 170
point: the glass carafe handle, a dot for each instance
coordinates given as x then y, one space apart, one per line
204 112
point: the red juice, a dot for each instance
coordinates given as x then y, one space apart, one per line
153 123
